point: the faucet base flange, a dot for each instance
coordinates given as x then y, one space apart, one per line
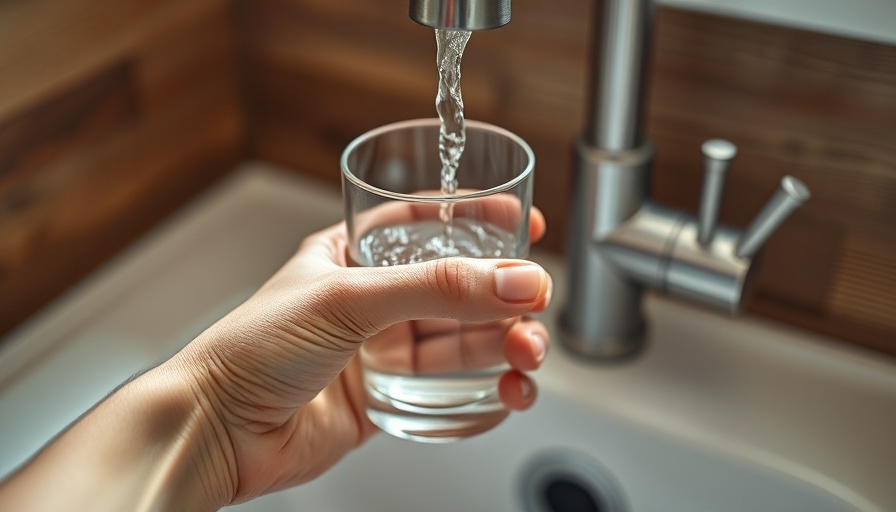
603 350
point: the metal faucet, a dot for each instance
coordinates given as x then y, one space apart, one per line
461 14
621 242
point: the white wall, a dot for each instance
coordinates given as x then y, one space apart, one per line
873 20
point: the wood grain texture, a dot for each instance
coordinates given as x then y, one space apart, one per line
112 115
79 116
822 108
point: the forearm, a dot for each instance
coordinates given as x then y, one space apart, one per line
149 446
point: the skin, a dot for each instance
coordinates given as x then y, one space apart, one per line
271 395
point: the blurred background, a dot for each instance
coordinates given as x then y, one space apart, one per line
113 114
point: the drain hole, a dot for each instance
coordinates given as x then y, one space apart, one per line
567 481
570 496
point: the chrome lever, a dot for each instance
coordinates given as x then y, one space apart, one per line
717 156
789 196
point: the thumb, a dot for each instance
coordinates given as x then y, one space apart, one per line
465 289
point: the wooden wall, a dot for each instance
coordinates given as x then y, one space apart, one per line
114 113
822 108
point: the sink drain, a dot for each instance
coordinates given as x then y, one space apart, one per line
568 481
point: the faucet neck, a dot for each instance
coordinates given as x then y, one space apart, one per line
620 55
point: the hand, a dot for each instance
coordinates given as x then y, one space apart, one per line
271 395
280 373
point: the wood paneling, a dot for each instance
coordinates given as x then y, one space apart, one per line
112 114
823 108
78 116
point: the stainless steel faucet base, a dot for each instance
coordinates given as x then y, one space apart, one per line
602 349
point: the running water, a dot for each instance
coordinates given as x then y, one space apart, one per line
450 46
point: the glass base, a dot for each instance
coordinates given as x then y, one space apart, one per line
439 425
435 408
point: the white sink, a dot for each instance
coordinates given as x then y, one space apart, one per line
719 414
633 466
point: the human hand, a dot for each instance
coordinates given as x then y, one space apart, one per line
279 377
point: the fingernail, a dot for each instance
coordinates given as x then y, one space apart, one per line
539 345
525 388
518 283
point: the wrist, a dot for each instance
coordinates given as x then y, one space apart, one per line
184 417
151 445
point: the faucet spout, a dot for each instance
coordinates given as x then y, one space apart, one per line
461 14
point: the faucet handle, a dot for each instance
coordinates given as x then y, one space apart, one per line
717 156
790 195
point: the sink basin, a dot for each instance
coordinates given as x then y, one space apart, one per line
719 413
551 455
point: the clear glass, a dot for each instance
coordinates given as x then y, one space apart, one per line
423 380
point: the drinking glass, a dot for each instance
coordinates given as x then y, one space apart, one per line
435 380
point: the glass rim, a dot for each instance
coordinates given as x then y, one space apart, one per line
480 125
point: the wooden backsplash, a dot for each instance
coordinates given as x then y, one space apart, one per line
113 113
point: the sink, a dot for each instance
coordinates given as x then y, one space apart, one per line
718 414
558 447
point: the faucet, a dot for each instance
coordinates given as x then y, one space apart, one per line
620 242
461 14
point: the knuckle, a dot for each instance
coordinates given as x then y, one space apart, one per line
336 303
